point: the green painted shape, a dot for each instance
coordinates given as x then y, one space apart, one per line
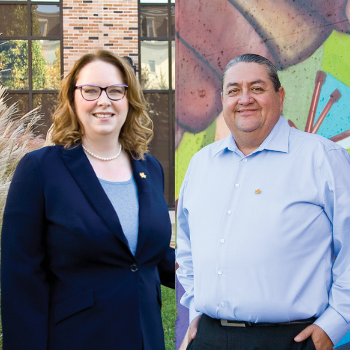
190 144
336 59
299 83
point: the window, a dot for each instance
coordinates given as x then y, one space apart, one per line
157 75
31 54
152 66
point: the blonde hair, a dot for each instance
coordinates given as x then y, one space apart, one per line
136 132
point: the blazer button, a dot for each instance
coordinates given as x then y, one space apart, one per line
134 268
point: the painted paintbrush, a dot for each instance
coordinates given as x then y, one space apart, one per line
335 96
341 136
319 81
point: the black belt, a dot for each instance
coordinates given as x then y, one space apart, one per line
230 323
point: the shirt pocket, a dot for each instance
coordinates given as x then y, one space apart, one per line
73 305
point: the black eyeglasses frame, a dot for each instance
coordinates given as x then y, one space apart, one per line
102 89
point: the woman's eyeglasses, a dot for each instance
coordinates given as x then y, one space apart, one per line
92 92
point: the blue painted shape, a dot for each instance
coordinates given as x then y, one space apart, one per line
343 347
338 118
344 340
182 320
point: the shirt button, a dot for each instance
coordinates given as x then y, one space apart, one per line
220 272
134 268
244 160
222 240
222 303
237 185
229 212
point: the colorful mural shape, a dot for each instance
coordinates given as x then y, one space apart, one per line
308 41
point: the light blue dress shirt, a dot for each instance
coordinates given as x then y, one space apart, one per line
257 235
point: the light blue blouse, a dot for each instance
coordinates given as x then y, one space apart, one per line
124 198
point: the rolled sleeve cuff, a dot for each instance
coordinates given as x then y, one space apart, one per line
333 324
193 312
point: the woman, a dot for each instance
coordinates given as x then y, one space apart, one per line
85 239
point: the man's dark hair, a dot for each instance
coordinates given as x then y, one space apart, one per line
252 58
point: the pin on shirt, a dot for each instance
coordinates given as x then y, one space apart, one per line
143 176
257 191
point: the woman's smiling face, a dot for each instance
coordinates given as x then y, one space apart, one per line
102 117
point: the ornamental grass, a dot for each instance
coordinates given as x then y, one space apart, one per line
16 139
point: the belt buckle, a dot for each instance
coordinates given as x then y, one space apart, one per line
228 323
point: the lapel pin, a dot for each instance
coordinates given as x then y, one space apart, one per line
143 176
257 191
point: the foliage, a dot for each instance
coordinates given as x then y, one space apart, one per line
14 66
14 54
145 80
163 81
16 139
35 21
14 20
168 317
157 82
53 72
38 66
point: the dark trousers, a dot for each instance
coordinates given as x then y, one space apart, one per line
211 335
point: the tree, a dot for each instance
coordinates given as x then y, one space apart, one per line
14 54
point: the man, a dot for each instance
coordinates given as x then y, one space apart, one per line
264 227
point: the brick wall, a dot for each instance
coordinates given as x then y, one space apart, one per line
89 25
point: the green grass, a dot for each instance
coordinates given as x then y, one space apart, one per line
0 331
168 317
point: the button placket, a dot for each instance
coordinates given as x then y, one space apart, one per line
224 232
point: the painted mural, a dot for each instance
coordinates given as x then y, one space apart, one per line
307 40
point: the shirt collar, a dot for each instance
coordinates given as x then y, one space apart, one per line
277 140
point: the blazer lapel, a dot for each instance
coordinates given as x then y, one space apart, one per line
83 173
143 181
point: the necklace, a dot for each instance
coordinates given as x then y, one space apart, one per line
101 158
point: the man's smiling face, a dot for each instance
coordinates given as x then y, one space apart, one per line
250 102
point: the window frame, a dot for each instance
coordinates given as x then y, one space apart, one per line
29 38
171 88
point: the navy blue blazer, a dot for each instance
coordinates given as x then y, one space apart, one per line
69 279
